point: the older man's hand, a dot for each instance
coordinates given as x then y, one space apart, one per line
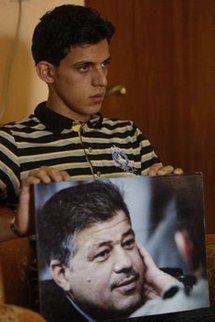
156 281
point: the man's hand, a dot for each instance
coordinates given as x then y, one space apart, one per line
24 220
159 169
156 281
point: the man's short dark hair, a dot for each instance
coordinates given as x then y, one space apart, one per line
73 209
66 26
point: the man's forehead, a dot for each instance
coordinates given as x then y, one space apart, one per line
90 51
106 230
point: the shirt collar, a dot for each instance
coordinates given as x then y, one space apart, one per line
56 123
81 312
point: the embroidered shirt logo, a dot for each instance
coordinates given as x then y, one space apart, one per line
121 160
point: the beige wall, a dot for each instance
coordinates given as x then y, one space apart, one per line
24 90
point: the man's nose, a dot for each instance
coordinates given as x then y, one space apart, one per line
122 260
100 77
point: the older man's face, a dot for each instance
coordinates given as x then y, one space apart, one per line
107 272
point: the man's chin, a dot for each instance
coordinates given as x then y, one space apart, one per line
128 307
122 310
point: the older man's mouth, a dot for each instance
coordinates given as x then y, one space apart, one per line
127 285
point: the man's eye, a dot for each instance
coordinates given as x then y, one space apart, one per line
83 67
129 243
102 256
105 64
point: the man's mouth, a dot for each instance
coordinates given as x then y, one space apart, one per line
101 95
97 98
127 285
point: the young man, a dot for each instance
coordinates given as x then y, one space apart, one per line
86 237
67 137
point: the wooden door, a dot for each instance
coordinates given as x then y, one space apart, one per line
164 54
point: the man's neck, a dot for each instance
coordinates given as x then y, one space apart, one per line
60 108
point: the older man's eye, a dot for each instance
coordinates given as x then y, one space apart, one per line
101 256
129 243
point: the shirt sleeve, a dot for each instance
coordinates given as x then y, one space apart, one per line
9 167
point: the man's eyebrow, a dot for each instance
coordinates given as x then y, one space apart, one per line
109 242
101 244
107 60
129 232
89 62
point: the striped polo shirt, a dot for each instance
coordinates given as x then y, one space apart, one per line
101 147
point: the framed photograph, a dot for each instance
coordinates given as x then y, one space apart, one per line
112 249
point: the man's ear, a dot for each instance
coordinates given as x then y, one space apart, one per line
185 246
59 273
45 71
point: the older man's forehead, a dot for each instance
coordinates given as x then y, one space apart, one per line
107 231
